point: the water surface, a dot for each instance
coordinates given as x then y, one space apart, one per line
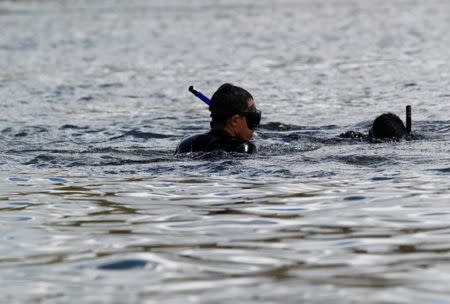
94 206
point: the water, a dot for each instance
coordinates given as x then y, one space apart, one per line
94 206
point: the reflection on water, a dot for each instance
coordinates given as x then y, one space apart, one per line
169 237
94 206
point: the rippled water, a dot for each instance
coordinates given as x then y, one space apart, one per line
94 206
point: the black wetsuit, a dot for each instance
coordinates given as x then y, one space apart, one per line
215 140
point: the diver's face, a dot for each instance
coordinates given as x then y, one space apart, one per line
242 130
242 125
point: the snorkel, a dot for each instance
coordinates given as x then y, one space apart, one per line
408 119
200 95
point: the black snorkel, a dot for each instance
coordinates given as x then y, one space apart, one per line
408 119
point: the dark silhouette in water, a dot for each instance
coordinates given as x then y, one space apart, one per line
385 126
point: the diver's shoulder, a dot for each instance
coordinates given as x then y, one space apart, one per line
247 147
215 140
193 143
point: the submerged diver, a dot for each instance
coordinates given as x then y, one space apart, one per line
234 118
385 126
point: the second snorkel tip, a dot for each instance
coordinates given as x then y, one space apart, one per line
408 119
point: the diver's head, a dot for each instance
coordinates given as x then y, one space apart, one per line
233 109
387 125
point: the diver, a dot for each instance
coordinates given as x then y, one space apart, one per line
234 118
387 126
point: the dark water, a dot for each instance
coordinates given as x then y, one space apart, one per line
94 206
